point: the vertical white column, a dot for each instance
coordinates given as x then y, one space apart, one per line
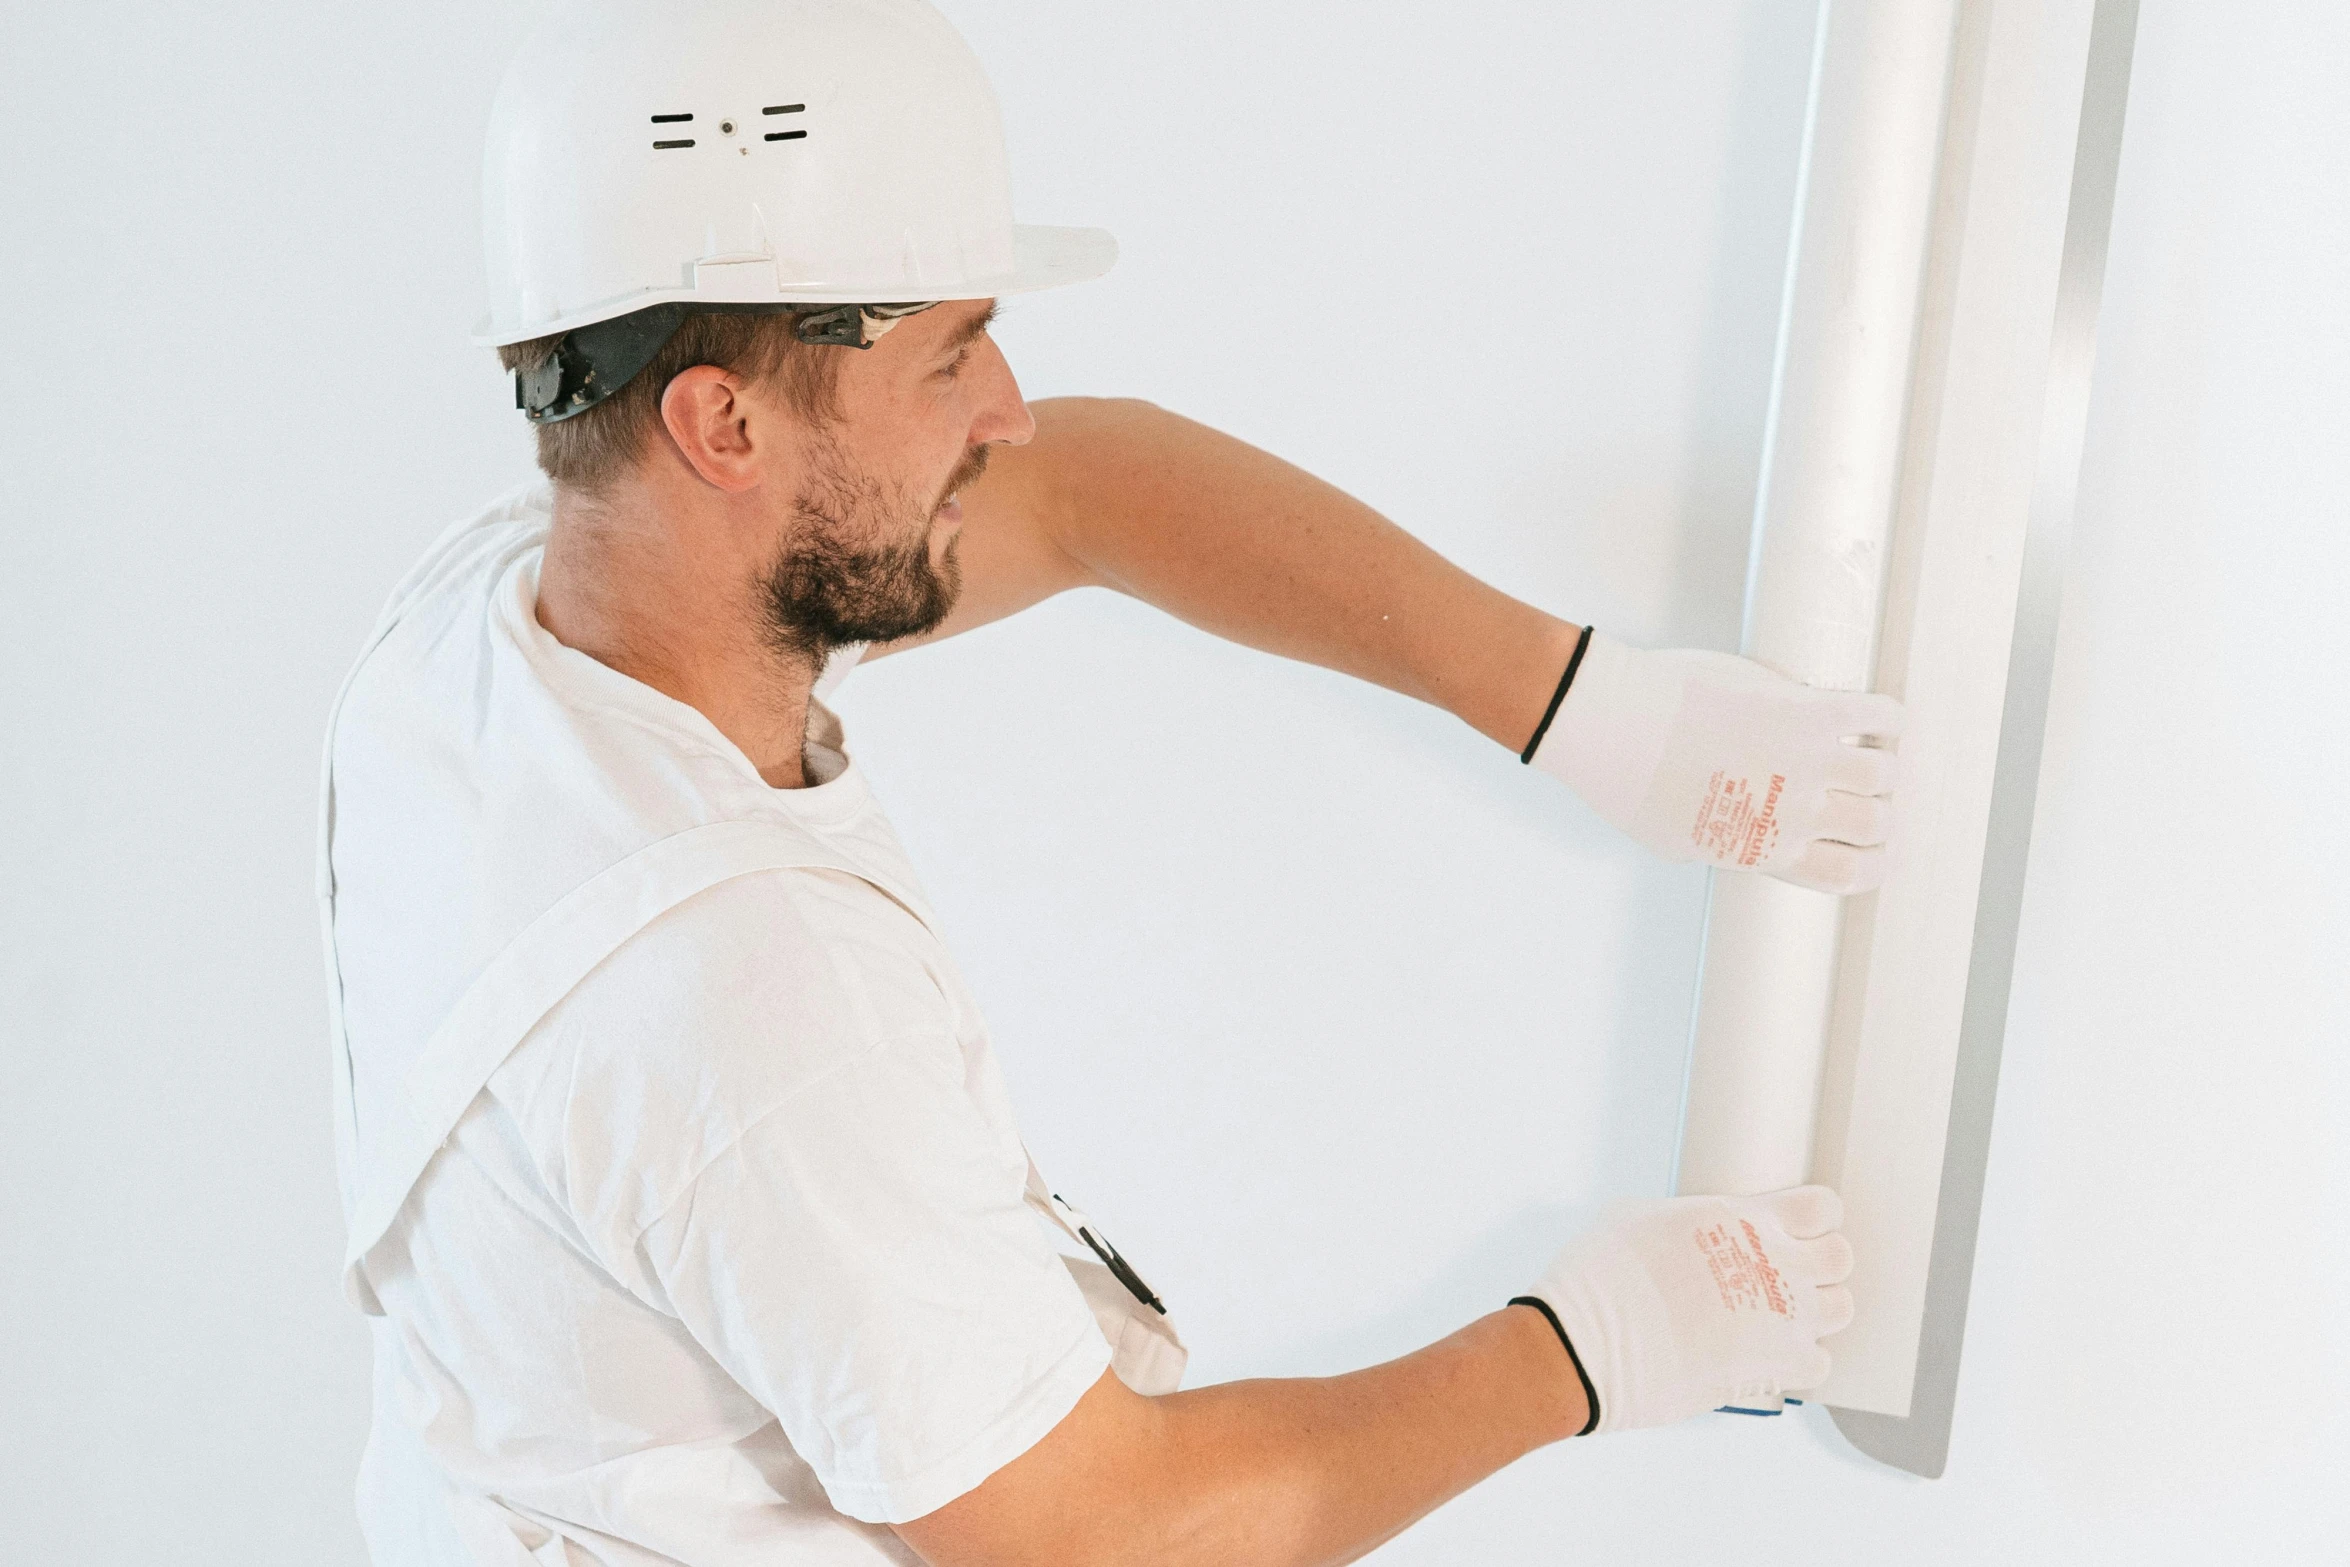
1831 471
1997 399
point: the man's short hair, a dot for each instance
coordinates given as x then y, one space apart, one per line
589 451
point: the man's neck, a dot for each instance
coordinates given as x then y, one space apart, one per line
651 590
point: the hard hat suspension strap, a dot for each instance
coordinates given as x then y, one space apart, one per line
591 363
853 326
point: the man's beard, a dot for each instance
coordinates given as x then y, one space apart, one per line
858 568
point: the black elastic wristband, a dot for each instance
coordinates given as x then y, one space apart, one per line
1574 662
1590 1393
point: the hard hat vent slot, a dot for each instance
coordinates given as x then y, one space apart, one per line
786 135
671 119
785 108
661 146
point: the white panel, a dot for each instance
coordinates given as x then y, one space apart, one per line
1856 1009
1831 468
1950 616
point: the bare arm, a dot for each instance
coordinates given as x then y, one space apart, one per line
1122 494
1273 1473
1293 1471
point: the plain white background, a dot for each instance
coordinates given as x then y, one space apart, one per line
1339 1018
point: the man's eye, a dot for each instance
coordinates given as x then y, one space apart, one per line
955 365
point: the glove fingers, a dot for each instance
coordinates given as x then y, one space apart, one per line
1814 1371
1858 819
1835 1311
1840 868
1868 715
1805 1213
1827 1260
1862 769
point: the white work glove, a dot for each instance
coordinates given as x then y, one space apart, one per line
1708 756
1673 1307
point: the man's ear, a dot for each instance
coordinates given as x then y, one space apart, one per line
708 415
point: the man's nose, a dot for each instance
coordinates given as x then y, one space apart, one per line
1003 412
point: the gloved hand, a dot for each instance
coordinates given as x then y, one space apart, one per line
1708 756
1673 1307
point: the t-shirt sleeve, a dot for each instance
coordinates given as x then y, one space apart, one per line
860 1260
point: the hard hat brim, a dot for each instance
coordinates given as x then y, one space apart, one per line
1043 256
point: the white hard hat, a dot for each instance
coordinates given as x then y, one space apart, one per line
751 153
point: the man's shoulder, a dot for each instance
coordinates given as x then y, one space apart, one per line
712 1017
767 979
436 623
472 549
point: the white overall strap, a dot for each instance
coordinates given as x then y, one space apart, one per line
534 972
346 1121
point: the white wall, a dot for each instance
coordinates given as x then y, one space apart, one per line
1337 1016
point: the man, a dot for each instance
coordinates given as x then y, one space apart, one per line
684 1193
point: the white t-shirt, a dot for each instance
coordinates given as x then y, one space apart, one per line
729 1263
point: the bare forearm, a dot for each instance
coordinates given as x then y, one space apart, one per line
1271 1473
1321 1470
1240 543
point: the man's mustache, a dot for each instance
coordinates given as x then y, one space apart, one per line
966 472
